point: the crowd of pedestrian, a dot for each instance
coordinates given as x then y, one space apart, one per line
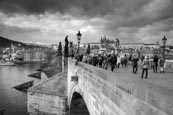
104 61
116 61
147 63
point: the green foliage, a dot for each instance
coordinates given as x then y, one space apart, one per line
88 49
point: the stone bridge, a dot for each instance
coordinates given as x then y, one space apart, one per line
101 92
87 90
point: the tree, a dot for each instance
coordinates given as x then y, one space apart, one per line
59 49
88 49
66 47
101 40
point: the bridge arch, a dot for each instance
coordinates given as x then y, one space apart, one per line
78 105
74 88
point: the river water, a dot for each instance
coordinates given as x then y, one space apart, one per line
13 101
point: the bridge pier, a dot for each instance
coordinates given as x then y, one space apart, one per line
48 97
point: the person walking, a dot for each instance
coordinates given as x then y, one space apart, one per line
125 60
90 59
155 62
84 59
100 60
105 62
95 60
134 64
118 61
113 61
145 66
162 63
142 58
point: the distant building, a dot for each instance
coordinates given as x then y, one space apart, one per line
20 54
13 56
132 45
32 43
92 44
54 47
34 55
140 46
104 42
152 46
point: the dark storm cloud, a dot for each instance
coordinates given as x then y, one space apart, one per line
146 15
134 19
87 7
161 26
129 10
62 6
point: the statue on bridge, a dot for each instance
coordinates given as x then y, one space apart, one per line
59 49
66 47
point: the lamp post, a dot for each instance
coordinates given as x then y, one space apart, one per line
164 43
117 45
78 39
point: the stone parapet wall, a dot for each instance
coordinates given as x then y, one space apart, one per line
107 93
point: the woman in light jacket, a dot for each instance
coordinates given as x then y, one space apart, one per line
145 66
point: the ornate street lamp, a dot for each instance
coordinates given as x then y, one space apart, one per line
164 43
78 39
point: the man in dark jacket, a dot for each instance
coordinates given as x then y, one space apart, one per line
95 60
113 61
142 58
155 62
135 64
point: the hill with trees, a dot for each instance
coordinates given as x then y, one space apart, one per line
4 42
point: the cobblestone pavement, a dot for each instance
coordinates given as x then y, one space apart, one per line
163 80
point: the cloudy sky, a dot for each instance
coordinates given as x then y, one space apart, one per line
49 21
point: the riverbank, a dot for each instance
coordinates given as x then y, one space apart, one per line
28 62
